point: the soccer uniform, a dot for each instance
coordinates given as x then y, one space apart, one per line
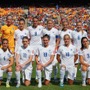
8 33
45 53
67 59
24 56
18 36
4 59
62 33
35 37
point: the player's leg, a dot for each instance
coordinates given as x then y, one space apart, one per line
88 80
28 73
9 75
71 73
39 68
84 74
47 76
17 72
1 76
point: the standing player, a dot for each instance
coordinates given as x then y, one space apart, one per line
76 37
6 62
65 31
8 32
54 41
20 33
84 56
24 57
67 56
44 62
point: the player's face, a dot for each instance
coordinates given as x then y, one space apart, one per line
9 20
35 22
25 42
50 24
79 26
45 41
21 25
67 40
5 45
85 42
65 25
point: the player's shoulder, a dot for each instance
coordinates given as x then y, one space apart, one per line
4 27
29 28
17 30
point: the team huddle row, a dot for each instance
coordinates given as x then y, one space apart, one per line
47 46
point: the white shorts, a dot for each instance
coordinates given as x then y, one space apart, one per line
27 73
47 74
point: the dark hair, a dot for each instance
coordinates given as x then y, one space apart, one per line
35 17
25 37
22 19
82 46
4 40
46 36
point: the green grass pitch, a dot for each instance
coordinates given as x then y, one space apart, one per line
52 86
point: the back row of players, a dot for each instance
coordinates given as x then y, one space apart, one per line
47 46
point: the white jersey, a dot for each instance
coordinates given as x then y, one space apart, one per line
62 33
35 35
67 55
25 55
4 57
44 54
19 36
77 36
86 54
53 33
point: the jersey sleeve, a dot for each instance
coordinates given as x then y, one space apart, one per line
37 51
80 52
18 51
59 51
32 52
57 34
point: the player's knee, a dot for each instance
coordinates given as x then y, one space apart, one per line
9 69
39 67
27 83
84 68
17 68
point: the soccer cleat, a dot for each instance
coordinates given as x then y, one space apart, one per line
61 85
39 85
84 85
7 85
18 85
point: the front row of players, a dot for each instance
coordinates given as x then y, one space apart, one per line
67 55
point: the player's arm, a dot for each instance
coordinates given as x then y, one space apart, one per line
9 65
50 61
82 61
75 57
17 59
58 58
36 58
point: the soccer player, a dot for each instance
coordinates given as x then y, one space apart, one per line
24 57
65 31
67 56
54 42
76 37
6 62
8 31
44 58
84 56
20 33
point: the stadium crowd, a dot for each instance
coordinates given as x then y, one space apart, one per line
51 36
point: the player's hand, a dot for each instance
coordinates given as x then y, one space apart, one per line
63 66
22 65
43 65
5 67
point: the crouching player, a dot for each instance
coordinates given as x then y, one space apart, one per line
44 62
24 57
66 56
84 56
6 62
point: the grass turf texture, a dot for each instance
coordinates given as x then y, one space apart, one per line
52 86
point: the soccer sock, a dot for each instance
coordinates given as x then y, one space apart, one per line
84 77
39 76
36 75
55 72
23 77
9 77
62 74
18 77
75 72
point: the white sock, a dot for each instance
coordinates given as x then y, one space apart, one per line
9 77
89 74
18 77
39 76
36 75
84 77
75 72
23 77
55 71
62 74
